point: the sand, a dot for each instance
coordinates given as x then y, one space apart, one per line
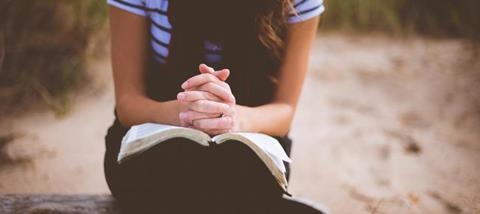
384 125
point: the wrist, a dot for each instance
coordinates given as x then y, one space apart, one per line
167 113
242 116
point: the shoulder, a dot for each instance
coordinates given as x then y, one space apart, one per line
305 9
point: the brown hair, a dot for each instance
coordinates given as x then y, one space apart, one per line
272 23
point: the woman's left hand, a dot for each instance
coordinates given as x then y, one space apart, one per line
213 82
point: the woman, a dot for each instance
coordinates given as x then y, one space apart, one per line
213 65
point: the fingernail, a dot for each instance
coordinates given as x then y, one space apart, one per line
184 85
181 96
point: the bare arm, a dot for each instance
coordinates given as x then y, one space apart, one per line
129 51
275 118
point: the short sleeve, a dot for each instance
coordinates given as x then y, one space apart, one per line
133 6
305 9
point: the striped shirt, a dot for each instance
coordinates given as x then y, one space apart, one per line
160 36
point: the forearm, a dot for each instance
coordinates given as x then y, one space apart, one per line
138 109
275 118
272 119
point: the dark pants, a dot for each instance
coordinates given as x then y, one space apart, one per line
181 176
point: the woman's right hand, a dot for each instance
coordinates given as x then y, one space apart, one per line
196 105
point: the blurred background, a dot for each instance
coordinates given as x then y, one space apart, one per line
388 121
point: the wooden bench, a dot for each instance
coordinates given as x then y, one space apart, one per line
53 203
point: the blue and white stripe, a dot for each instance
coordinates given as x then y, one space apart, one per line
160 30
305 9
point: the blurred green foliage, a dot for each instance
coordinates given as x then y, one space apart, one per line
441 18
45 45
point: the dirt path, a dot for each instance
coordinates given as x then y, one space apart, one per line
383 126
60 155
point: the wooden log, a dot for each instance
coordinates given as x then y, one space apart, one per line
47 203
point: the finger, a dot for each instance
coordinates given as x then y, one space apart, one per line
203 68
222 74
221 84
225 85
188 117
183 123
190 96
208 106
199 80
218 91
215 123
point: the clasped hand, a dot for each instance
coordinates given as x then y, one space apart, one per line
207 102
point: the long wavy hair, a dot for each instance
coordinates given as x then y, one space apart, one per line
271 24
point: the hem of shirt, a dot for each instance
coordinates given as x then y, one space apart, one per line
305 17
127 8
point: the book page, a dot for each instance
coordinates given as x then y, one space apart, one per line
265 142
144 130
268 144
267 148
144 136
278 162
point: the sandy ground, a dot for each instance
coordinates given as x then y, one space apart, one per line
383 126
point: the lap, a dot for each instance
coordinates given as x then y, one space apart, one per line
180 171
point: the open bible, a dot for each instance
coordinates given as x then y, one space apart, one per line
141 137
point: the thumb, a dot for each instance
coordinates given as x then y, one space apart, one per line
205 69
221 74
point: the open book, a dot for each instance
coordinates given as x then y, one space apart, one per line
144 136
